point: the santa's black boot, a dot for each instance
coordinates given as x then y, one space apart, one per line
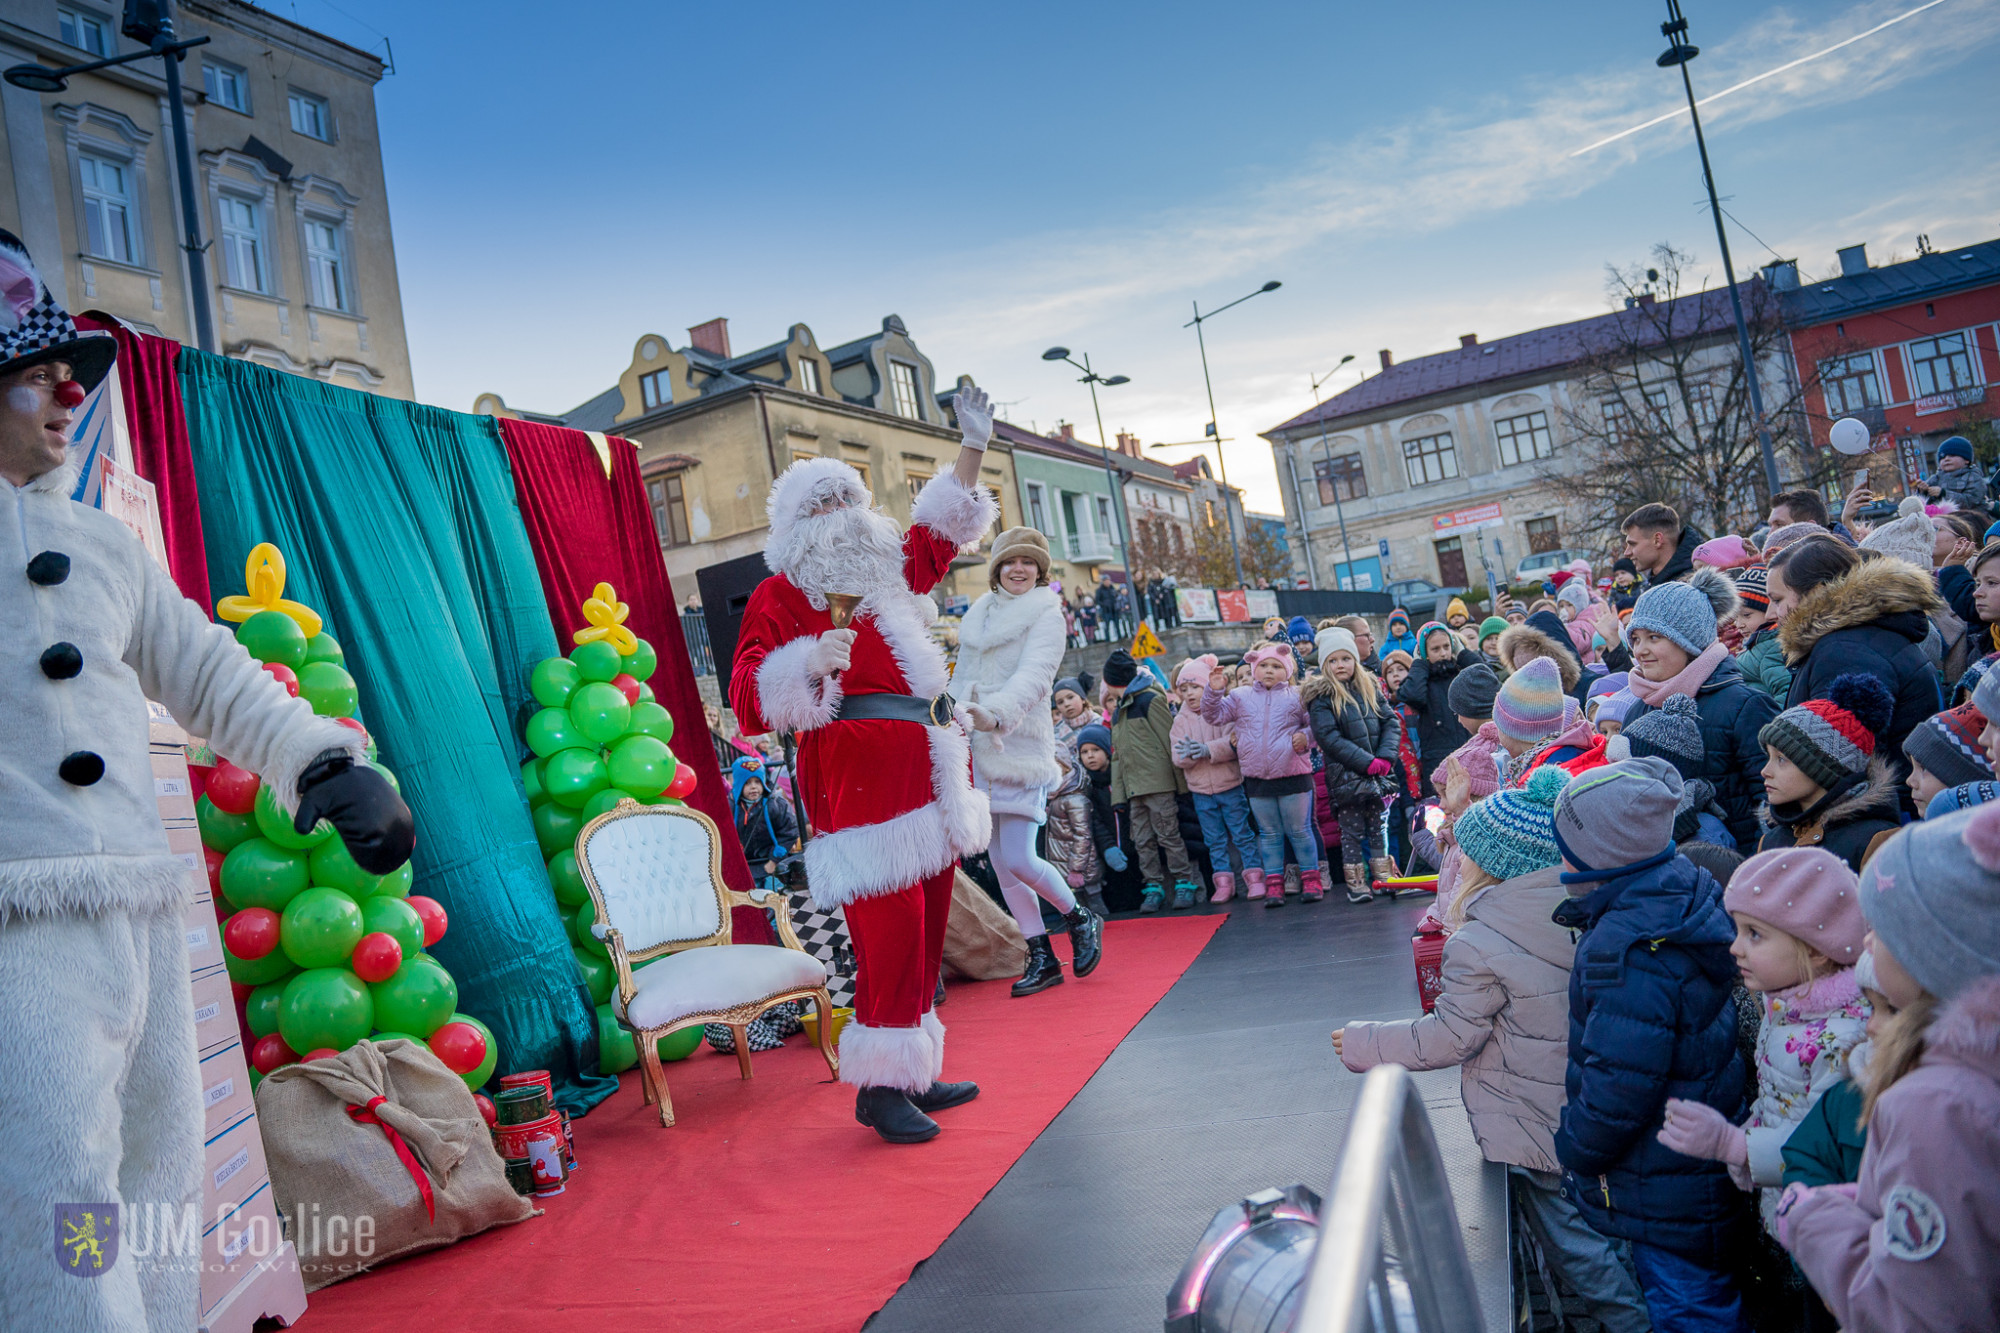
1086 940
1042 972
890 1113
943 1096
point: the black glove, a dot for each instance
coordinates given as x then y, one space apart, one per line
364 809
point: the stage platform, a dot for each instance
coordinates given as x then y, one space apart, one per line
1229 1085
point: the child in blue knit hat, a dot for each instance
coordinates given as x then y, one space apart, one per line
1956 479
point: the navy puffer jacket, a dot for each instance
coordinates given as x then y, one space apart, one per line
1730 713
1650 1017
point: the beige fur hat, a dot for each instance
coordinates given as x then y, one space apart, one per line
1018 541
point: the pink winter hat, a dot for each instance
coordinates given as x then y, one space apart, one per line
1726 552
1196 669
1281 651
1807 892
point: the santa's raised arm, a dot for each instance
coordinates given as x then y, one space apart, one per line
884 765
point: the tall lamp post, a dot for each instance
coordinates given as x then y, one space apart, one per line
1235 551
152 22
1680 53
1326 452
1093 379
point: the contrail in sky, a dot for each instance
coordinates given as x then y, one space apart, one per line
1759 78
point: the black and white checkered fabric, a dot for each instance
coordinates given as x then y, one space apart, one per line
763 1032
45 325
824 935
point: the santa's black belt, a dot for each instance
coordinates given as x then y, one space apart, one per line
896 708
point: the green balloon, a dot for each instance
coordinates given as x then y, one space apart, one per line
320 928
476 1079
396 884
273 636
531 782
261 1009
395 1036
552 680
649 719
393 916
599 712
572 777
220 829
567 880
616 1051
603 803
332 867
418 997
586 917
394 785
551 732
323 647
259 873
255 1079
597 660
679 1045
642 765
325 1007
569 924
556 827
645 693
642 662
329 689
598 975
257 971
276 825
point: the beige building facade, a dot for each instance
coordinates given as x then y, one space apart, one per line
288 182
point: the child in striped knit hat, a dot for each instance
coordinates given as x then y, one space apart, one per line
1944 752
1824 783
1760 659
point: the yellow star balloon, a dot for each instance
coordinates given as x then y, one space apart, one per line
264 576
606 615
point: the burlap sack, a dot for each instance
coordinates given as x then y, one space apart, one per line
327 1165
981 941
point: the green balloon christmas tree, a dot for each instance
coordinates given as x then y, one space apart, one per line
323 953
599 739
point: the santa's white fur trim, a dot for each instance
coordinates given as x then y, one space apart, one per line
935 1030
887 1057
955 511
790 695
798 491
91 885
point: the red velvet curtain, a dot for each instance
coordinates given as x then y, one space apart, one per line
149 374
587 530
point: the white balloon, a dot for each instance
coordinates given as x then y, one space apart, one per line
1849 436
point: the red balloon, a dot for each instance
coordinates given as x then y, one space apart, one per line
683 782
323 1053
233 789
251 933
70 394
376 957
432 912
486 1107
461 1046
286 677
214 860
627 686
270 1053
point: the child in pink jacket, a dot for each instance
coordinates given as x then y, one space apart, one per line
1273 736
1206 753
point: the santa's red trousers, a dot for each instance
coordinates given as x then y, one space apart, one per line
898 943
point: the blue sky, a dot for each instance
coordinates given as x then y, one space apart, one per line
1010 176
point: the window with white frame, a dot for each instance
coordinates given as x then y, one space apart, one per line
1701 401
1616 417
1941 364
226 86
656 389
326 266
1430 458
1104 514
1659 401
311 116
1525 438
242 240
107 208
1850 383
1038 517
903 390
84 30
808 374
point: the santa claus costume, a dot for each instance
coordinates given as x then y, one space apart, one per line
883 758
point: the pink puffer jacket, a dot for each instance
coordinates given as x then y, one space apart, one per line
1265 719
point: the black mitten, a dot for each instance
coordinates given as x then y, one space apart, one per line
364 809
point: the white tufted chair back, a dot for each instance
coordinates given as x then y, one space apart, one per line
657 871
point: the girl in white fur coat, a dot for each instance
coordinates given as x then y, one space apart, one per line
1010 647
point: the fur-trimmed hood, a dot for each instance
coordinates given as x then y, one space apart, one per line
1867 593
1541 644
1967 1031
1874 795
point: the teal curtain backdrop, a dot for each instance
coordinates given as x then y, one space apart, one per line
398 524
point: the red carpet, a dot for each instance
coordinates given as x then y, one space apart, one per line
766 1206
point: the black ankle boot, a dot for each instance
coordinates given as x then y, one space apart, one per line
943 1096
1086 940
1042 972
890 1113
937 996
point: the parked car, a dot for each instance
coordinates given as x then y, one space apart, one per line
1537 568
1422 598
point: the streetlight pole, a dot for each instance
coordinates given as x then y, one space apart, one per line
1235 551
1680 53
1093 379
1326 451
152 22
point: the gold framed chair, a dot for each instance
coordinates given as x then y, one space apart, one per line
655 879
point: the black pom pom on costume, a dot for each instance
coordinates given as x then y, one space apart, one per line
1866 697
48 569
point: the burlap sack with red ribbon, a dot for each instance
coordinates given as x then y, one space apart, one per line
382 1132
981 941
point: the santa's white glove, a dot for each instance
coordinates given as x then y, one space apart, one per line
833 652
1697 1129
975 416
980 718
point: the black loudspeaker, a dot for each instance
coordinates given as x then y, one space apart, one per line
725 591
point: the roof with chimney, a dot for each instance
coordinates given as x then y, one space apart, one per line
1538 352
1860 288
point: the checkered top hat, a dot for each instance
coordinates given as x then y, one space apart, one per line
34 329
1832 739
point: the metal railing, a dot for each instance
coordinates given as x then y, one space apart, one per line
1390 1255
1089 546
694 628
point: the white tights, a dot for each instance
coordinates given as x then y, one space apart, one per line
1024 875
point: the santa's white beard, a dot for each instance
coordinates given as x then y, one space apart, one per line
849 550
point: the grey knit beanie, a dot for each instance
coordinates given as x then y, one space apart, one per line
1677 611
1616 816
1472 692
1986 694
1932 896
1671 732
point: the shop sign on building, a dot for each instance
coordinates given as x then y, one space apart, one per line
1467 520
